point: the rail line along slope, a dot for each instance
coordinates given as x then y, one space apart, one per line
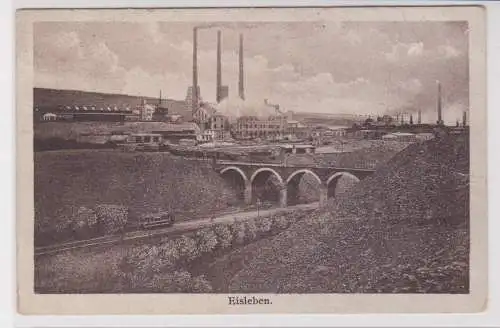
404 229
141 182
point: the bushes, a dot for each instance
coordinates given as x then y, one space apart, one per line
207 240
264 224
80 222
164 266
112 218
238 231
280 222
187 248
224 236
251 229
150 269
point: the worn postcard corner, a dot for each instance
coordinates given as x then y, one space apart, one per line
251 160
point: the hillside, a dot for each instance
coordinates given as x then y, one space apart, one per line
51 99
143 182
404 229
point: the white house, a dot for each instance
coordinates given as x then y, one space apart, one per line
49 117
206 136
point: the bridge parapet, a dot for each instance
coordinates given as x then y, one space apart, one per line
288 177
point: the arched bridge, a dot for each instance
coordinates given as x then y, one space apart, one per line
253 176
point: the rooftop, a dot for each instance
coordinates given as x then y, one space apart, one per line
290 146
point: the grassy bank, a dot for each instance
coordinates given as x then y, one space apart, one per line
66 181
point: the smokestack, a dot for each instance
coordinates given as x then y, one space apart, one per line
464 119
219 72
241 87
419 117
439 108
195 72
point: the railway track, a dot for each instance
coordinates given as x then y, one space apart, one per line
179 228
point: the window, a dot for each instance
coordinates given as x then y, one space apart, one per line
156 139
147 139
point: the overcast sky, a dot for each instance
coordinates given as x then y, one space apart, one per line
304 66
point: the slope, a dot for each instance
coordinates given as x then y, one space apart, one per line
404 229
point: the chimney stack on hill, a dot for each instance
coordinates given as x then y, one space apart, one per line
219 69
241 87
195 72
439 105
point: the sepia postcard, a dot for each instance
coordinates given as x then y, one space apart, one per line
251 160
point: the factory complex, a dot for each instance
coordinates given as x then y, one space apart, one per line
200 122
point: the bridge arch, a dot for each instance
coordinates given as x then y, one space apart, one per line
331 183
235 179
295 185
303 171
260 187
236 169
266 169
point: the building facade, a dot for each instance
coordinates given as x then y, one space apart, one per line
251 127
219 124
205 136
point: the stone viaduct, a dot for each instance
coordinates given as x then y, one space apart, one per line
254 175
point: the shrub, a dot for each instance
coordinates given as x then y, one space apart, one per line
187 248
83 221
63 219
238 231
169 253
200 285
207 240
224 235
264 225
281 222
251 229
112 218
87 215
180 281
144 259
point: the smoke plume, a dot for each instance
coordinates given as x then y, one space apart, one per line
234 107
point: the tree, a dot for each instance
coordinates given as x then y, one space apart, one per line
207 240
264 224
188 249
224 235
238 230
251 229
113 218
281 222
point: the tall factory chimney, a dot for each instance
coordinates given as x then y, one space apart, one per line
464 119
439 105
194 99
241 87
219 69
419 117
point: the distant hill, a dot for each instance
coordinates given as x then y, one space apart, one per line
329 118
50 100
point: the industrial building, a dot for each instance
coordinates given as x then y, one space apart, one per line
251 127
175 132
